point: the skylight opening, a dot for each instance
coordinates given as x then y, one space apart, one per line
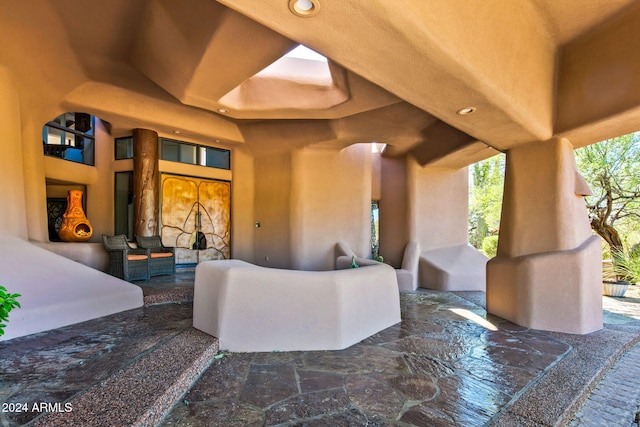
301 65
303 52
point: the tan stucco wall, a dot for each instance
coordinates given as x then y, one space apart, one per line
394 230
13 212
424 204
599 74
98 179
438 206
242 206
330 202
100 195
541 210
272 210
547 273
251 308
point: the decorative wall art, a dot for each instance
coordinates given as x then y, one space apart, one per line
196 218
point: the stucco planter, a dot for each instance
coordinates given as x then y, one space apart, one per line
614 289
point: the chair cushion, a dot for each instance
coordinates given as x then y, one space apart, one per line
161 255
136 257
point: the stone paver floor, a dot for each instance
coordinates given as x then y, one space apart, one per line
55 366
447 363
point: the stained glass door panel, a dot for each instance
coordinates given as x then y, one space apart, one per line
196 218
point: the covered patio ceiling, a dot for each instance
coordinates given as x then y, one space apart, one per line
400 71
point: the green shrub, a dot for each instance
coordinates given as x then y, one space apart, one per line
7 303
490 246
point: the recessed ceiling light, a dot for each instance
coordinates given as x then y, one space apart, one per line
304 8
222 110
466 110
176 131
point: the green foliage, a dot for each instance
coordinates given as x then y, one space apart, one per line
485 198
354 264
627 266
7 303
612 170
490 246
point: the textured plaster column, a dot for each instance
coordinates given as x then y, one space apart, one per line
547 272
145 182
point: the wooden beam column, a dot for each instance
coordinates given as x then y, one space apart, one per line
146 182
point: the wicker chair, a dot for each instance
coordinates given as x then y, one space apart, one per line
126 262
162 259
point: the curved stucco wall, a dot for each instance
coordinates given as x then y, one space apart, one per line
548 270
13 212
330 201
56 291
543 209
425 204
252 308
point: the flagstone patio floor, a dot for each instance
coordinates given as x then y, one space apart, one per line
448 363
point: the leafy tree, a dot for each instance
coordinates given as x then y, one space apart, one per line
486 199
612 169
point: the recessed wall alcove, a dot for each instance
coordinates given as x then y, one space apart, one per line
57 204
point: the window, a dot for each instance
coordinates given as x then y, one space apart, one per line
124 148
216 158
70 136
375 229
183 152
123 206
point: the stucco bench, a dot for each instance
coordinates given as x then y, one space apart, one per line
253 308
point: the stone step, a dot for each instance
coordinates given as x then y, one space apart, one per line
142 393
166 296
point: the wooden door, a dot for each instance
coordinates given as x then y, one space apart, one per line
195 218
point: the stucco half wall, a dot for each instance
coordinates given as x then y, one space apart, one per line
453 268
252 308
56 291
554 291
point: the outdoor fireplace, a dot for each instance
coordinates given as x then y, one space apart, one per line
75 226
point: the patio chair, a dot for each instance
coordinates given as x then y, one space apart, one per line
162 259
126 262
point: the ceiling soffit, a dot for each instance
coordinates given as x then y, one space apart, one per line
440 57
499 57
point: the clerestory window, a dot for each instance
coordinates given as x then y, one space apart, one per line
70 136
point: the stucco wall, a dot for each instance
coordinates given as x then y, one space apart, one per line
272 210
98 180
424 204
12 215
394 232
541 210
331 201
438 206
591 86
242 206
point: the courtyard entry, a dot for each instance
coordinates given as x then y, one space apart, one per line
195 218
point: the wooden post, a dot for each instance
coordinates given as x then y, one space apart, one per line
145 182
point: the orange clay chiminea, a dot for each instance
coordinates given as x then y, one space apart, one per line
75 226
